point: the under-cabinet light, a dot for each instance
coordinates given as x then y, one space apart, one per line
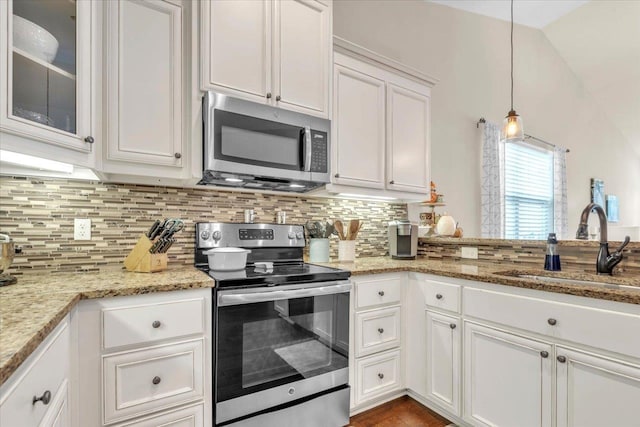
296 186
34 162
364 196
233 179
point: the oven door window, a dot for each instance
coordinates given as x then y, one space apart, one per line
266 344
249 140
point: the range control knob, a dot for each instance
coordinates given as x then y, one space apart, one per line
292 235
205 235
217 235
299 235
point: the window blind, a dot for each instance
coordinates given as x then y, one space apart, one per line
528 191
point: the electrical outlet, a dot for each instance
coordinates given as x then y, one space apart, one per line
82 229
469 252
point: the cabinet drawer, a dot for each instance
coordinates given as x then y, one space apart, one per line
377 330
377 374
152 322
191 416
606 329
373 292
152 379
45 371
444 296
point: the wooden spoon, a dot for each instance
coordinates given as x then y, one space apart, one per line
339 229
354 226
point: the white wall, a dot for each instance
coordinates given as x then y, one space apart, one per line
469 53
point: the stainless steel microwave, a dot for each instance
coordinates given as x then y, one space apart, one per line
262 147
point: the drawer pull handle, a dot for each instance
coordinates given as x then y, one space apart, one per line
381 375
268 95
278 98
438 296
156 324
380 330
562 359
544 354
156 380
381 293
45 398
452 325
552 321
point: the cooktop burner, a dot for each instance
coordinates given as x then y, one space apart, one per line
280 245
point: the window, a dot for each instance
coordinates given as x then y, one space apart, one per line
528 191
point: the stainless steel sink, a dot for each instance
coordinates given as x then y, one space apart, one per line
578 282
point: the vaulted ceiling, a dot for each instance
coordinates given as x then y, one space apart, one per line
599 40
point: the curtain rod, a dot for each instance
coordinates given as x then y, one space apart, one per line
526 136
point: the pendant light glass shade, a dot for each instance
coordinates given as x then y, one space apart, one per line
512 129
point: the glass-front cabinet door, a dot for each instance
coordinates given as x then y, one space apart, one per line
46 71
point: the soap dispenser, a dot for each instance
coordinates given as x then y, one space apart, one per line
552 258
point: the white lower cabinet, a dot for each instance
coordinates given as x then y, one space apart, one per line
443 360
191 416
37 393
377 375
507 379
143 358
594 391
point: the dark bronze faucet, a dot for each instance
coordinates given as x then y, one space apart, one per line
606 261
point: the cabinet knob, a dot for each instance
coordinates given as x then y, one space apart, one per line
45 398
89 140
452 325
438 296
552 321
562 359
381 375
336 175
278 98
177 155
380 330
156 324
544 354
268 95
156 380
381 293
392 182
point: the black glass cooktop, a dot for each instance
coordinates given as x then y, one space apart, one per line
280 275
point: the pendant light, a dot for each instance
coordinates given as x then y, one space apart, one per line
512 126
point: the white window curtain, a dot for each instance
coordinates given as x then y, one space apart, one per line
492 192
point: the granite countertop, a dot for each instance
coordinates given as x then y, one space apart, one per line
503 274
32 308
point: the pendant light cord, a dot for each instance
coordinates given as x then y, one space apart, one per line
511 55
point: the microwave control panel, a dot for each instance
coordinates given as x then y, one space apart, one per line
319 151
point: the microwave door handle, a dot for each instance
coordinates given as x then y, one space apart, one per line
248 298
307 149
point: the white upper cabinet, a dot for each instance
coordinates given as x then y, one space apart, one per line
381 124
238 57
359 127
145 82
46 76
302 55
407 139
276 52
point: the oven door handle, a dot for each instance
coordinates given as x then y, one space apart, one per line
248 298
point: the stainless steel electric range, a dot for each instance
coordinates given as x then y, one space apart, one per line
281 343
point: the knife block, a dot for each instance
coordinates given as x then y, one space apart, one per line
140 260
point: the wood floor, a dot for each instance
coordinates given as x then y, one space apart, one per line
401 412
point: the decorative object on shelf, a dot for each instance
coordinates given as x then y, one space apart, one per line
446 225
433 196
149 255
612 208
33 116
597 192
512 129
459 232
319 233
347 240
34 39
7 253
430 218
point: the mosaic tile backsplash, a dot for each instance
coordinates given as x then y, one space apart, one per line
38 214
